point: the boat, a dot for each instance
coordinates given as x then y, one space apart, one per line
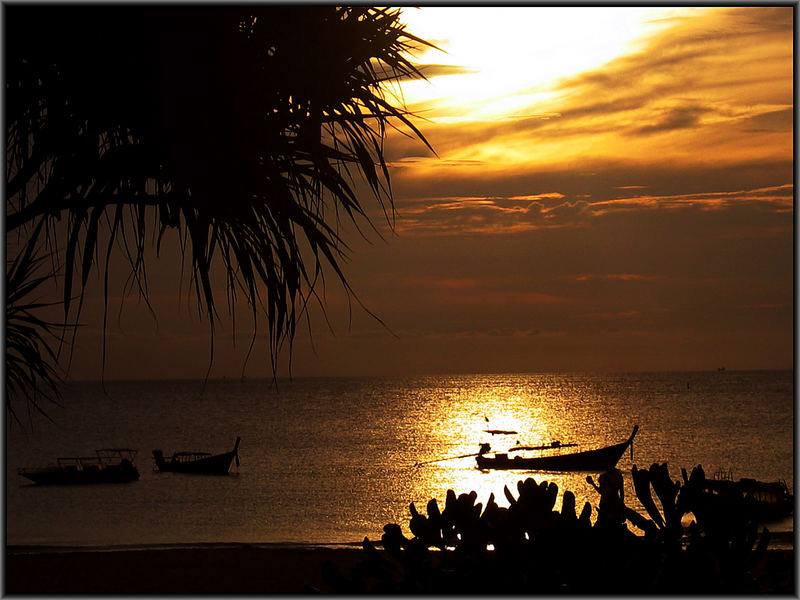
109 465
198 462
551 457
766 501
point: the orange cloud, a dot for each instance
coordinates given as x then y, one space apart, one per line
453 215
450 283
506 298
715 85
469 291
612 277
779 197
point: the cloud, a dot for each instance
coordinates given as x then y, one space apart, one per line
449 283
681 117
626 314
460 215
434 70
429 71
492 215
717 84
506 299
778 198
612 277
773 121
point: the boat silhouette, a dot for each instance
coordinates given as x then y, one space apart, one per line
549 457
109 465
198 462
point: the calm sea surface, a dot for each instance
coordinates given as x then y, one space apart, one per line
331 460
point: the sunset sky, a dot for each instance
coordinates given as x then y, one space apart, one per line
612 190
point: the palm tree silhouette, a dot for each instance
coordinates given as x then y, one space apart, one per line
242 129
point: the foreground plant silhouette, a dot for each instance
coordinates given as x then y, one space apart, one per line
537 549
238 130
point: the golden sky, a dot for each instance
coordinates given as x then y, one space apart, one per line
525 90
612 190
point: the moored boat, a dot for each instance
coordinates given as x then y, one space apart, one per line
198 462
552 458
109 465
766 501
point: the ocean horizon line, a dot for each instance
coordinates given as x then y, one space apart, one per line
292 378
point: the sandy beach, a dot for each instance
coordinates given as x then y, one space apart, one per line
238 569
234 569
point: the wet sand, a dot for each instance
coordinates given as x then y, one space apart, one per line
235 569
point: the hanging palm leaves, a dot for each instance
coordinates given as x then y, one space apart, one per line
240 129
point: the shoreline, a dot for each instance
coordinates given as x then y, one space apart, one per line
779 540
213 568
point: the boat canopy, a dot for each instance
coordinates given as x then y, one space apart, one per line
101 456
550 446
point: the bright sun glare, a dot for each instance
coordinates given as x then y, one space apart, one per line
512 56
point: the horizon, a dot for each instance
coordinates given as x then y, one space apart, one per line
289 378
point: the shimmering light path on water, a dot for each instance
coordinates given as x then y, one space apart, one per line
332 460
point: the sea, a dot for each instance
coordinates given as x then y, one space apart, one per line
330 461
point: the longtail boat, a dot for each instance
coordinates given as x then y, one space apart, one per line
198 462
551 458
109 465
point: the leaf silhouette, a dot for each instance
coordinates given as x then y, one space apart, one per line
238 131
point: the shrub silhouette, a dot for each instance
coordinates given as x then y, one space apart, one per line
529 547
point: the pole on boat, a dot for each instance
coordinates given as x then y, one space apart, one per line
484 448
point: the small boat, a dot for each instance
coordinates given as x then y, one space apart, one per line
198 462
595 461
109 465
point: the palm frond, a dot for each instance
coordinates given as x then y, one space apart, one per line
31 361
241 129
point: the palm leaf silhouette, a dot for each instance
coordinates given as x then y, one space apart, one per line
30 358
240 130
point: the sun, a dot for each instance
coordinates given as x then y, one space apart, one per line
509 58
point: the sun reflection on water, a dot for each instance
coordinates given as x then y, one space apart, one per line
453 424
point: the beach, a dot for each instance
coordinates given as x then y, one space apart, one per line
228 569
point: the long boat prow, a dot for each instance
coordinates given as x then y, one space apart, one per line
630 439
550 457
